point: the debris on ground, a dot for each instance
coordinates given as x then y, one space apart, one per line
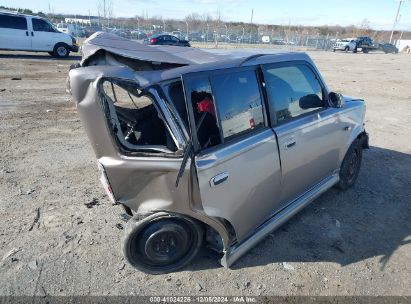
16 78
119 226
199 287
36 220
30 191
11 253
288 266
125 217
92 203
337 224
32 265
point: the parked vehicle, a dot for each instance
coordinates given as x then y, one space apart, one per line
201 146
90 30
365 44
163 39
265 39
388 48
72 29
195 36
346 45
279 42
31 33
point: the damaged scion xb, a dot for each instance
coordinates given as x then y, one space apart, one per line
212 147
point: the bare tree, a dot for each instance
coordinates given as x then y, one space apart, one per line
217 24
105 11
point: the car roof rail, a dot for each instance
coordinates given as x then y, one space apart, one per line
6 11
16 12
250 58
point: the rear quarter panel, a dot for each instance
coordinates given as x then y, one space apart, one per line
352 114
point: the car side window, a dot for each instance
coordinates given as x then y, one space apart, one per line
200 98
239 103
13 22
292 91
41 26
174 39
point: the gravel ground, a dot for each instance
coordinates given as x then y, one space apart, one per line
60 235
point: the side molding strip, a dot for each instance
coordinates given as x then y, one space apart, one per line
238 250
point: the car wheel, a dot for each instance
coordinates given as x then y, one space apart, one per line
365 51
61 50
163 244
333 50
346 49
350 166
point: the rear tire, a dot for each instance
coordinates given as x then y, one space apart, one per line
61 50
350 167
346 49
161 245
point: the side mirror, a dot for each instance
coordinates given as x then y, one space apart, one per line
336 100
311 101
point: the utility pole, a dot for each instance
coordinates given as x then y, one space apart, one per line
138 28
251 22
396 18
104 12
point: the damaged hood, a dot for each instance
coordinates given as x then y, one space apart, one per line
105 49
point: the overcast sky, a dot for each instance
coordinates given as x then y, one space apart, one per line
380 13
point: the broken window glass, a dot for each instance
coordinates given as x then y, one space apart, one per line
135 119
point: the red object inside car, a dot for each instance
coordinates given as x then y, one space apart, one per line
153 40
206 105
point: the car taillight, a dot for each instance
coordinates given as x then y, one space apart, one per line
106 183
153 40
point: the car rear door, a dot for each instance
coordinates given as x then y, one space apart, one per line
237 159
14 33
309 139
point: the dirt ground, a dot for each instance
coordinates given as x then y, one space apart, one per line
60 235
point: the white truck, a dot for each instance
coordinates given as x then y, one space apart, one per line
20 32
347 44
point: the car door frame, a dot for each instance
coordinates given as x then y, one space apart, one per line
201 155
309 119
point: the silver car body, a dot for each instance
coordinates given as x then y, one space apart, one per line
347 44
240 190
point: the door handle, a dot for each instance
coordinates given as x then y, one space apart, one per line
289 144
27 33
32 34
219 179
